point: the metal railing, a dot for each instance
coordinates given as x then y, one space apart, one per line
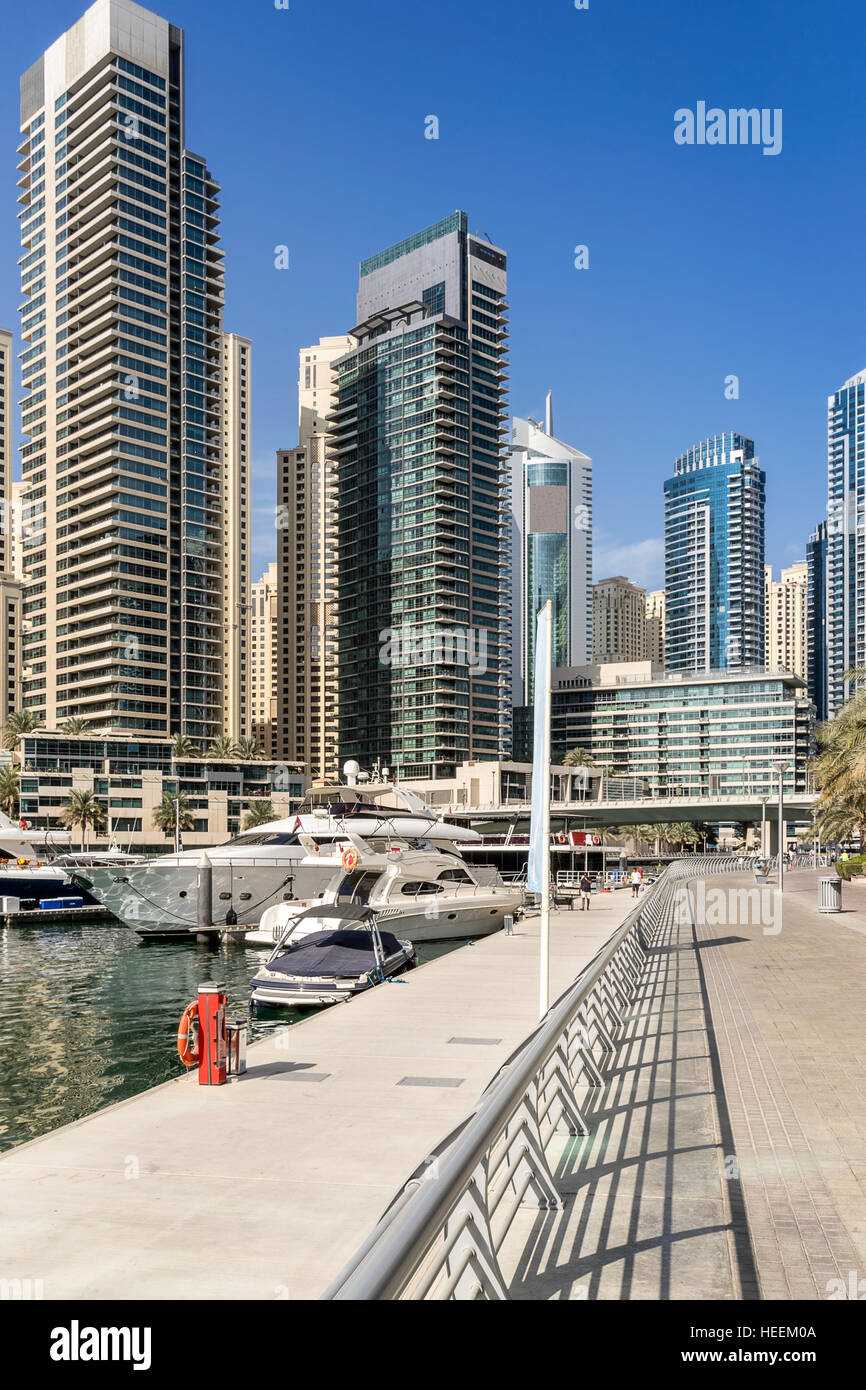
442 1233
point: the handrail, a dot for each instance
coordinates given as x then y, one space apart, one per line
452 1197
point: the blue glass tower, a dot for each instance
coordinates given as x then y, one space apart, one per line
846 537
714 557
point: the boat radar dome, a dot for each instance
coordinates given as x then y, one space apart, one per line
350 772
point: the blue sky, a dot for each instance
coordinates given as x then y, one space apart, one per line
556 130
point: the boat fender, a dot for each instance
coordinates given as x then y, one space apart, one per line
187 1035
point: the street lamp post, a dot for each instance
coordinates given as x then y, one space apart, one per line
781 766
764 800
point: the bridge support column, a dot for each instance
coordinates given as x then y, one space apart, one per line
773 835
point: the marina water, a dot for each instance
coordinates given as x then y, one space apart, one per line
89 1015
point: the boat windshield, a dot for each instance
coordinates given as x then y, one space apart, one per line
266 837
349 801
357 886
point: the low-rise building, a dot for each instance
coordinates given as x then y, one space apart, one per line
707 733
129 778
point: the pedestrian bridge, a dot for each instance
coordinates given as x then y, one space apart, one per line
687 807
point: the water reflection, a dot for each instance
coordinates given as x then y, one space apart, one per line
88 1016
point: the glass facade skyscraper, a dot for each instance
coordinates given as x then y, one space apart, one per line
122 368
714 557
845 597
816 619
551 504
423 586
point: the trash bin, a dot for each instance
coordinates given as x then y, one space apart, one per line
830 894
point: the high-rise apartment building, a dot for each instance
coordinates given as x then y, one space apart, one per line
619 627
10 586
261 662
6 493
714 557
307 698
785 613
424 599
122 367
551 553
655 626
816 619
236 425
845 604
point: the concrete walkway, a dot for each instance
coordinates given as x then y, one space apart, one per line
727 1154
264 1188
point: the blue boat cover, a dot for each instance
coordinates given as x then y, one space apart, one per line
338 953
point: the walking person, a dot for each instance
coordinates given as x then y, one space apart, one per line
636 880
585 892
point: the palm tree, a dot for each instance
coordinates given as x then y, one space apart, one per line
578 757
74 726
222 748
21 722
684 833
648 834
258 813
10 790
83 809
247 749
164 814
182 746
840 768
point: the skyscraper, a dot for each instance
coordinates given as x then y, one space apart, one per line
306 571
236 421
785 606
261 662
10 586
6 495
122 279
714 557
619 630
846 537
655 626
424 602
551 554
816 619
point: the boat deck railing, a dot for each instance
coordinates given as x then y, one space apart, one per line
441 1235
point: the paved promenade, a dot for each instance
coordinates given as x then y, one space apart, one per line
727 1154
264 1188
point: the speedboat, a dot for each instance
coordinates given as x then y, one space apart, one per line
425 894
341 953
269 864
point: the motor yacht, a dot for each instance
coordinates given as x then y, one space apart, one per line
425 894
269 864
30 868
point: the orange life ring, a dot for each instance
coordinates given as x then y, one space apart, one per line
187 1036
350 859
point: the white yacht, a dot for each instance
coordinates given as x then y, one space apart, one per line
268 865
36 864
419 893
